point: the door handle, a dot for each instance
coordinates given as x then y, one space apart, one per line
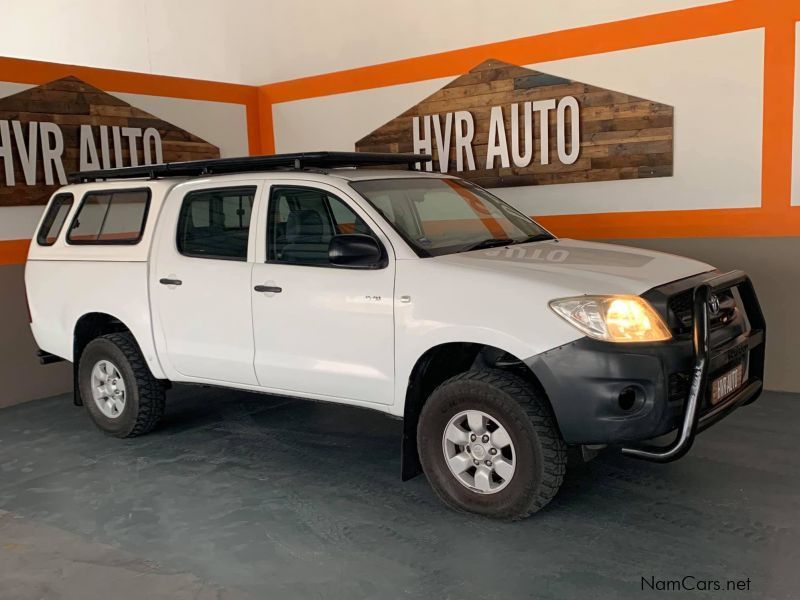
268 288
167 281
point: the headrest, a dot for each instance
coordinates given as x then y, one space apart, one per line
304 225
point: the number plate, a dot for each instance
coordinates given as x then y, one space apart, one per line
726 384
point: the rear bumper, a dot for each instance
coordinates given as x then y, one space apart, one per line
605 393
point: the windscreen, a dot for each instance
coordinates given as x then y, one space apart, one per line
443 216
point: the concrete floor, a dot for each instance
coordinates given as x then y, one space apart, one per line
244 496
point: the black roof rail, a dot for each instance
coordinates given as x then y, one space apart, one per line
299 160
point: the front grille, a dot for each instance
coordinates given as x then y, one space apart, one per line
680 306
738 320
679 384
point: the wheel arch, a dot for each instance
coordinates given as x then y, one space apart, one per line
438 364
92 325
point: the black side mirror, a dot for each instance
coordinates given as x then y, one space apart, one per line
355 250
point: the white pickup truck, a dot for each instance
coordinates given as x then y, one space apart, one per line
416 294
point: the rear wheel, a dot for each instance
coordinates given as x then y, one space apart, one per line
489 445
118 390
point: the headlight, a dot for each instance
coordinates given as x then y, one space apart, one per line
613 318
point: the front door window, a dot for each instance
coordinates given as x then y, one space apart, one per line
302 222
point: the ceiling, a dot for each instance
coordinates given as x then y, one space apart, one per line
262 41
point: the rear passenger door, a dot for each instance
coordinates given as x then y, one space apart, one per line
200 282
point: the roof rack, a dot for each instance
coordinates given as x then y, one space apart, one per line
245 164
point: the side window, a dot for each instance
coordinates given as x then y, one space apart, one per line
216 223
301 223
54 220
110 217
236 211
345 220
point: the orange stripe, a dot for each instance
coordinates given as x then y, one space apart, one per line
36 72
690 23
267 126
776 153
253 115
13 252
732 222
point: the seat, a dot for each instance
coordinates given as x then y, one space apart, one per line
306 239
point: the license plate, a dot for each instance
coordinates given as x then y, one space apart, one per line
726 384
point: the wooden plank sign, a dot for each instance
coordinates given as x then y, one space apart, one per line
68 125
502 125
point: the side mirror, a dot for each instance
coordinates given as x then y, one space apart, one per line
355 250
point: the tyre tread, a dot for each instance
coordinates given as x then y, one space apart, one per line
537 410
152 400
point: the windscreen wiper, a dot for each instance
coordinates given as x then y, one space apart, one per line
487 243
539 237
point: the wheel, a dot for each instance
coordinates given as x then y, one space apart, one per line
118 390
489 445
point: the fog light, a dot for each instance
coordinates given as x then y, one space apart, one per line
627 398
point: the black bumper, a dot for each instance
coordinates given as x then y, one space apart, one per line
606 393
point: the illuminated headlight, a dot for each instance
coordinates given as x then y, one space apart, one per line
613 318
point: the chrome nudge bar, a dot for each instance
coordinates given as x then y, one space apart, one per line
692 422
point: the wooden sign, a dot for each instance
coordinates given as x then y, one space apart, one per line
501 125
68 125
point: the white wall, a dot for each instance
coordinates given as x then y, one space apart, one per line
257 42
714 85
336 122
221 123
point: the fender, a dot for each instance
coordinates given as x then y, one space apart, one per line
436 365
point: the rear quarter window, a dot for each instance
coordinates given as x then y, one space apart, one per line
54 219
110 217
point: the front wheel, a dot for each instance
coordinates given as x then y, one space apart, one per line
117 388
489 445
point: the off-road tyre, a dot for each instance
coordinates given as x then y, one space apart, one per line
144 394
541 454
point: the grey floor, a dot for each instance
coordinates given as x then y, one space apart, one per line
244 496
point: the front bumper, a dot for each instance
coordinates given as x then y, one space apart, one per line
606 393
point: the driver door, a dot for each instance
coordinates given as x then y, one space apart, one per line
320 330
